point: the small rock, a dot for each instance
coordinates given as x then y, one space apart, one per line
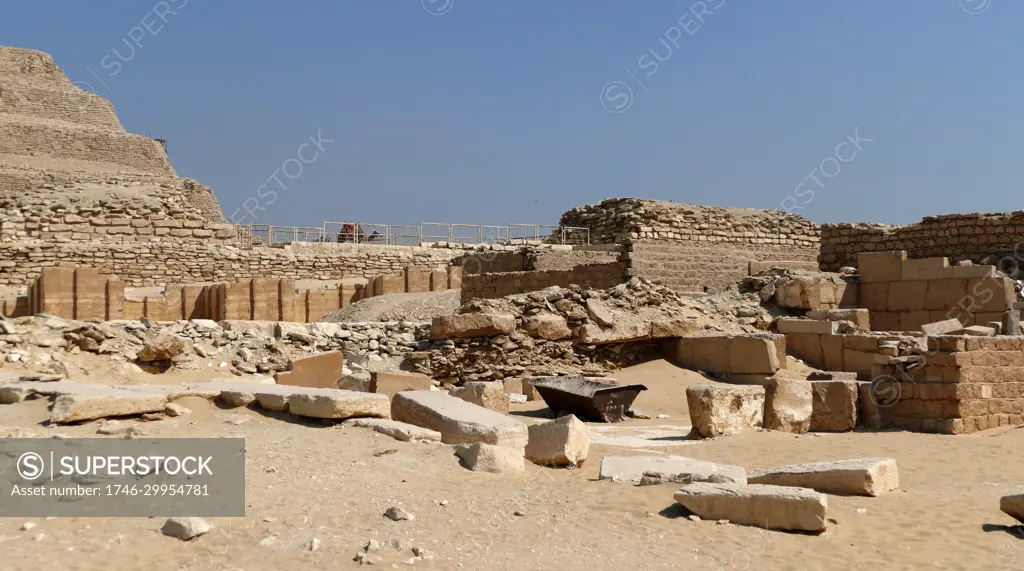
693 517
175 409
114 428
519 513
398 514
313 544
723 522
372 546
633 413
27 526
862 510
39 537
185 528
268 541
410 561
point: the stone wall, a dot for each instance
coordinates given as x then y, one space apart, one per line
493 285
176 261
903 295
703 266
618 219
956 236
967 384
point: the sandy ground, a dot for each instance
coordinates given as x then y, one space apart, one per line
309 480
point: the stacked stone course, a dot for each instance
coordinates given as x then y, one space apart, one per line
959 237
695 248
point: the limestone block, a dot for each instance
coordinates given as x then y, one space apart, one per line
679 468
770 507
472 325
338 404
481 457
488 394
861 476
547 326
720 411
318 371
788 405
391 383
880 266
458 421
560 442
398 430
835 406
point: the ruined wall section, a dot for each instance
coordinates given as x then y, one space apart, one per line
699 267
958 237
619 219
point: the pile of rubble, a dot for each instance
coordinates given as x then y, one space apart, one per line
549 332
48 343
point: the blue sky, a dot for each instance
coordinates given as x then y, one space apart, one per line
497 112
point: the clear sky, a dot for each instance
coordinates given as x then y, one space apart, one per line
496 112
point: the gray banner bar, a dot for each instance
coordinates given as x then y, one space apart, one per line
110 477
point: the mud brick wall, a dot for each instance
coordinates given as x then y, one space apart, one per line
489 286
956 236
704 265
904 294
176 261
620 219
967 384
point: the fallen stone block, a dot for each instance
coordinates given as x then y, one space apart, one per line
1013 506
398 430
977 331
679 468
547 326
944 327
356 382
481 457
788 405
390 383
104 403
720 411
488 394
860 317
339 404
770 507
835 406
319 371
861 476
458 421
250 328
164 347
472 325
599 313
561 442
593 334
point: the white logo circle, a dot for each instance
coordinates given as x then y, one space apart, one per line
616 97
437 7
30 465
975 6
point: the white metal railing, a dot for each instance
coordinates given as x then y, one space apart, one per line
408 235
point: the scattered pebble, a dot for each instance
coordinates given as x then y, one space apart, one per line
313 544
185 528
27 526
398 514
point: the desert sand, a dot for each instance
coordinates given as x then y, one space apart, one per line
329 484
